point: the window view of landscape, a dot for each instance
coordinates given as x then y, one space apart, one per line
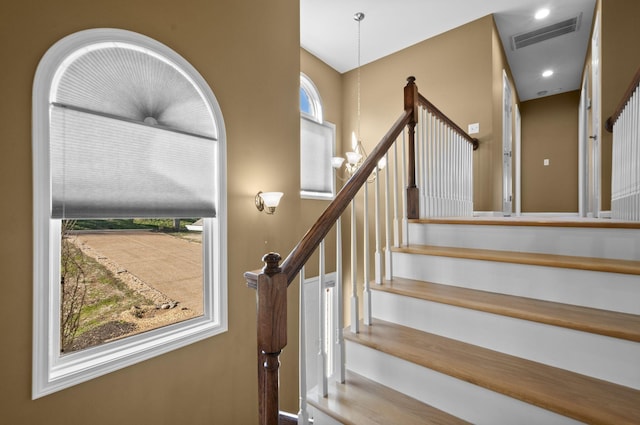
121 277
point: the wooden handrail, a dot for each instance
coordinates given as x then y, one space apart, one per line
301 253
292 265
442 117
273 280
610 122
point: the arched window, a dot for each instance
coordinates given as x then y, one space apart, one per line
317 145
310 103
126 133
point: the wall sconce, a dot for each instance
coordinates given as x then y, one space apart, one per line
268 201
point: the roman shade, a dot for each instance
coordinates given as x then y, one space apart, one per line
316 150
131 135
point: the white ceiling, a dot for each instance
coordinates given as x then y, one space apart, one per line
328 31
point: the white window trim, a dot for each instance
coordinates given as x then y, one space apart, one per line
51 371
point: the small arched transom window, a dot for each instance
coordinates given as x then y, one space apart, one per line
310 103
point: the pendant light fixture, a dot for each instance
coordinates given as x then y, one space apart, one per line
356 157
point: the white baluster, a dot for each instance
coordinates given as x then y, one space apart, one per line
403 191
388 269
303 414
469 180
322 319
433 172
452 172
355 325
446 180
366 293
396 223
418 159
634 140
459 175
457 167
432 164
424 167
439 168
340 350
635 203
378 252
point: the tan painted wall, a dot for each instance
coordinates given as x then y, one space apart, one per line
249 53
452 70
550 130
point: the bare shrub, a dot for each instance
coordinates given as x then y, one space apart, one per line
73 287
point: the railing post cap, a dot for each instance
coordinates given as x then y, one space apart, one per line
411 79
272 263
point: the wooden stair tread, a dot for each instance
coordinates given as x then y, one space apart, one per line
532 221
362 401
570 394
602 322
536 259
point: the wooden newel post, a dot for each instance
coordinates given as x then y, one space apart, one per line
272 335
411 103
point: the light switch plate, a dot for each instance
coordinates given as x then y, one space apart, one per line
546 162
474 128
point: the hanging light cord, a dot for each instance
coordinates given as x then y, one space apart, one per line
358 17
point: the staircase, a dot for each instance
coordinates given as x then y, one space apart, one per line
499 321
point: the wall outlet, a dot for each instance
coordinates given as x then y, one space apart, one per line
545 162
474 128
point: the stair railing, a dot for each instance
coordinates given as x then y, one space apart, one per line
625 162
273 280
445 161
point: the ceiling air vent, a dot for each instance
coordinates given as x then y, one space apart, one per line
545 33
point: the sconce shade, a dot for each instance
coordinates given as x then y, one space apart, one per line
271 199
336 162
353 157
268 201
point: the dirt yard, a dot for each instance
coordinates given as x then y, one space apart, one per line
166 270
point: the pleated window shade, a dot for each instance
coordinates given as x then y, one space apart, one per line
131 136
316 150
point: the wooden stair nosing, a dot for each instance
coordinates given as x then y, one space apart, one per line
608 323
531 222
529 258
567 393
363 401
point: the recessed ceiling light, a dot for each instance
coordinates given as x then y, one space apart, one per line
542 13
547 73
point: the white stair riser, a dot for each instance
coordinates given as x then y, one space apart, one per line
569 349
577 241
607 291
321 418
459 398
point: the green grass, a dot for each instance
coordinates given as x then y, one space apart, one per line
157 224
